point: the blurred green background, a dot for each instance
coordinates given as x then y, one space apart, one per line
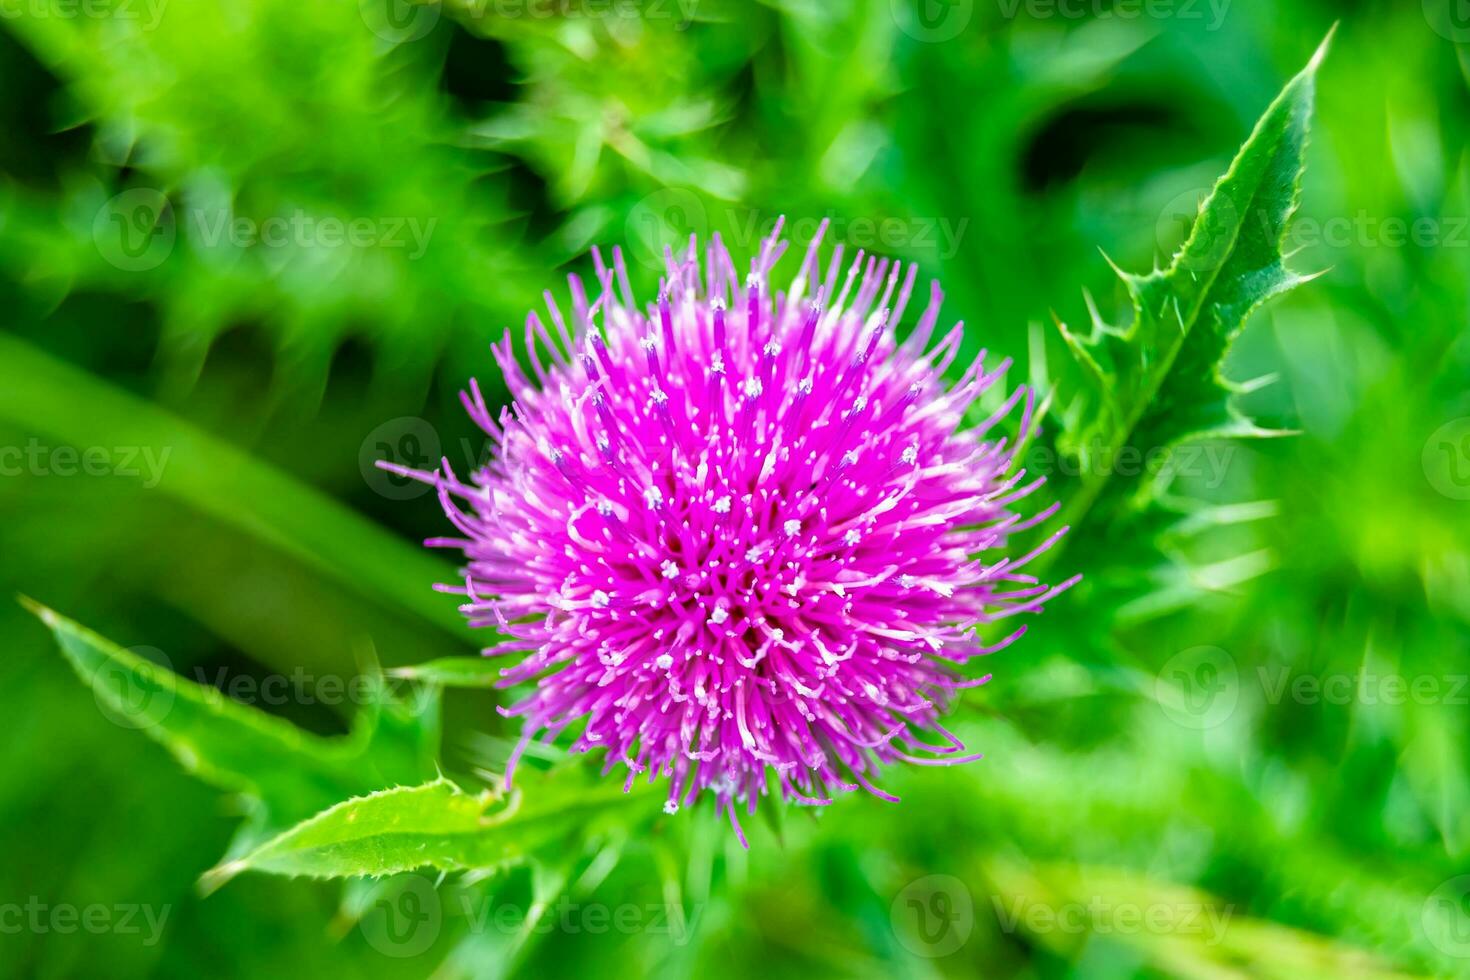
248 247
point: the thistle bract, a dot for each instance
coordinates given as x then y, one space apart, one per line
743 536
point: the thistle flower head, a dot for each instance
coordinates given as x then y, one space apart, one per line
744 536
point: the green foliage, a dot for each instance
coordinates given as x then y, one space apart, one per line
42 395
454 672
438 825
174 71
1157 382
1146 388
287 774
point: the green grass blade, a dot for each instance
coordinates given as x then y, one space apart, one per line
45 395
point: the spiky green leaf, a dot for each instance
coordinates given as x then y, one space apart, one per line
288 773
439 825
1148 386
1148 400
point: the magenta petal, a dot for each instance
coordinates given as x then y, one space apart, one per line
743 530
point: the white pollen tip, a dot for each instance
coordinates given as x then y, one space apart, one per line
793 527
910 455
850 458
654 496
647 343
722 506
754 554
804 386
664 661
753 388
600 599
671 806
719 615
670 570
851 537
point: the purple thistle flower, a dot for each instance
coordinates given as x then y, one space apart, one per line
742 532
